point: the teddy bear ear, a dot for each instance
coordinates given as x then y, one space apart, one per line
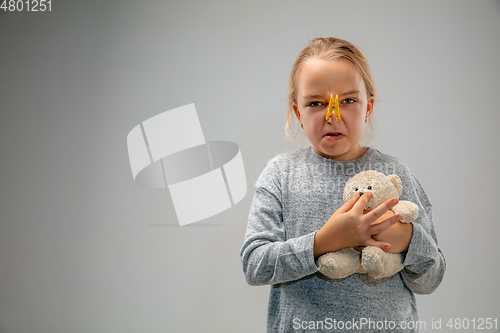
397 183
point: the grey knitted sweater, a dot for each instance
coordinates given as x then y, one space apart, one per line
294 196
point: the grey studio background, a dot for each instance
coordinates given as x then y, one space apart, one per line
84 249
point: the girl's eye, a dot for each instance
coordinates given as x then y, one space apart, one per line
348 101
314 104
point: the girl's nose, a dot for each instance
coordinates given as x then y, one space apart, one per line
333 118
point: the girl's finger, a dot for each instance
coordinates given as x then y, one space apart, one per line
383 245
379 227
361 203
349 203
381 209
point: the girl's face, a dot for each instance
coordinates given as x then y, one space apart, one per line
317 80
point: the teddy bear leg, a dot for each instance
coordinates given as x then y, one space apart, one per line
340 264
379 264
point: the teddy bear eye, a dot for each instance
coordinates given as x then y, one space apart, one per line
356 189
369 187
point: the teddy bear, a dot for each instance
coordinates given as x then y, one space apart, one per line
372 260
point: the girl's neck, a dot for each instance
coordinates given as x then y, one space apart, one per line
352 155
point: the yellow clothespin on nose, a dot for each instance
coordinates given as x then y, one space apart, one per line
331 106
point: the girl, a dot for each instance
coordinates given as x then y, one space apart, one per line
297 212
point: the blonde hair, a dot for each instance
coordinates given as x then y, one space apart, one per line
328 48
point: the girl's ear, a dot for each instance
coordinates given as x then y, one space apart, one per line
296 110
369 106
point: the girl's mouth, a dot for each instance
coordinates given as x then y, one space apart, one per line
333 136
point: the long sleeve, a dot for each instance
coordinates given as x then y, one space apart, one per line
268 257
294 196
424 264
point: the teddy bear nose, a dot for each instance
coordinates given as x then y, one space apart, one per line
361 193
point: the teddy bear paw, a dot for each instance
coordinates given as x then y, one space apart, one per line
340 264
379 264
407 209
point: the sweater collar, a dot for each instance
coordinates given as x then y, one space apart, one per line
369 151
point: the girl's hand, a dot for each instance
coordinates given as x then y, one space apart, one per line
398 235
349 227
